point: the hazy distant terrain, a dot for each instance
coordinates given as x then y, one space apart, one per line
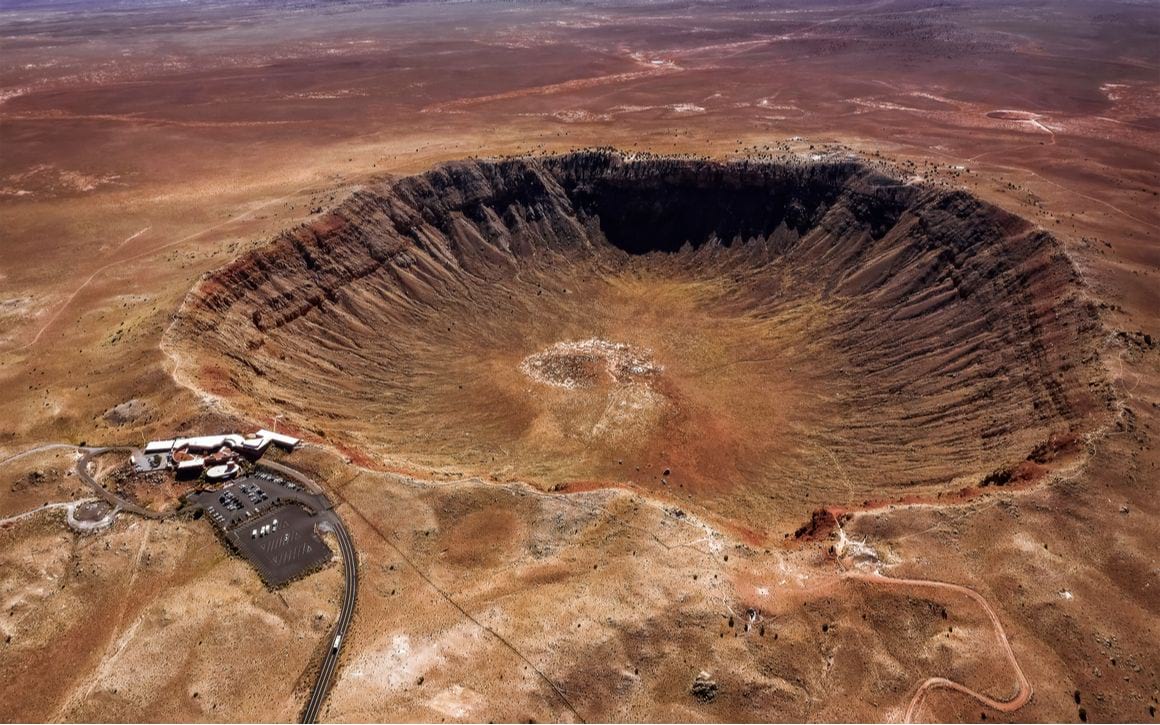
838 374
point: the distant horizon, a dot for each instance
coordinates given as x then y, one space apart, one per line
619 361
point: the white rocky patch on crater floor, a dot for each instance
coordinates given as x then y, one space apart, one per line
580 364
624 374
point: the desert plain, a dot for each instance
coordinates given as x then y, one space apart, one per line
665 361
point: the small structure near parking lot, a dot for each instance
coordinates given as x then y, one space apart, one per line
222 472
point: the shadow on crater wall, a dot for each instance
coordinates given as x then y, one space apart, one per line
828 334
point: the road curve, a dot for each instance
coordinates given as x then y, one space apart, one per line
294 473
346 613
349 556
349 596
38 449
935 683
109 497
45 507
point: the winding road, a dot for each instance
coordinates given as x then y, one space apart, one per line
38 449
331 521
117 503
934 683
346 613
46 507
109 497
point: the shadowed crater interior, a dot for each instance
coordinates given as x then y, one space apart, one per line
777 337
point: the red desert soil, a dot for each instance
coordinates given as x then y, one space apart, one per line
214 215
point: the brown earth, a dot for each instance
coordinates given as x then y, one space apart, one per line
142 148
900 339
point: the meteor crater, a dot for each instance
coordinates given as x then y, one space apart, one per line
757 339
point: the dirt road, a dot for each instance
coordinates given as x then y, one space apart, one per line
934 683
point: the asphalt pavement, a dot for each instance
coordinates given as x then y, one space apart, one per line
349 562
109 497
346 613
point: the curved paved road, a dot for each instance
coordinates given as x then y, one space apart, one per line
45 507
346 613
294 473
108 496
349 556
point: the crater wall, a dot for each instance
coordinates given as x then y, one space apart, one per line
822 333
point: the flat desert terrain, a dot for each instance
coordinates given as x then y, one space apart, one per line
731 361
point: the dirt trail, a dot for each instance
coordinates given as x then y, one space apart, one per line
68 300
933 683
45 507
37 449
552 88
115 645
142 120
146 253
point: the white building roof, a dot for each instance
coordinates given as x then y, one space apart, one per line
210 443
282 440
198 462
258 442
159 446
223 471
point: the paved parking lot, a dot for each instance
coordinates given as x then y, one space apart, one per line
281 544
271 521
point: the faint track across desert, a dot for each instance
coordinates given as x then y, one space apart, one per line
550 89
45 507
1056 184
146 253
1025 689
934 683
37 449
458 607
141 120
76 292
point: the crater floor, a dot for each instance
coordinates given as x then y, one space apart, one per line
758 340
